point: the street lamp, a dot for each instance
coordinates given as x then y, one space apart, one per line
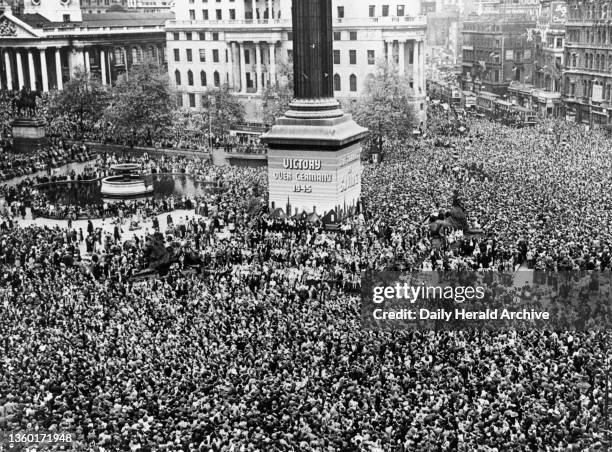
211 104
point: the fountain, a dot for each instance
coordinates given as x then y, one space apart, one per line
125 183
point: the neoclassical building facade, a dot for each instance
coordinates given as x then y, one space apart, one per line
243 43
42 45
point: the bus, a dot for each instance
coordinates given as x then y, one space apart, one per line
503 109
445 92
485 103
469 100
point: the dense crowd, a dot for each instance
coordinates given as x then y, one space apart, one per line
250 338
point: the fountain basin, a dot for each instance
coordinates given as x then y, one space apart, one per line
125 186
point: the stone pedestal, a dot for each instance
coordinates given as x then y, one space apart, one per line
28 134
314 160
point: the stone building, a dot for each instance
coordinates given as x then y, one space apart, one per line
588 55
242 43
43 43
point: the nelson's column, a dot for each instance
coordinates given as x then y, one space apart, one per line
314 157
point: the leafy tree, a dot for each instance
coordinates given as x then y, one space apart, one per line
221 110
384 108
276 99
79 105
141 104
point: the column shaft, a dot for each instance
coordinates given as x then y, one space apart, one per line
415 66
31 70
86 57
43 70
58 69
254 4
389 53
20 80
422 68
243 80
402 62
270 2
103 65
273 64
9 72
258 67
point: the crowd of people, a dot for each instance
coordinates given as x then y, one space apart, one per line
248 336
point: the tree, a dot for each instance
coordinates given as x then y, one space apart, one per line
384 107
276 99
80 104
221 110
141 104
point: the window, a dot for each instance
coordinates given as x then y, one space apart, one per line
352 57
202 78
353 36
290 36
215 55
175 36
202 55
179 100
219 14
232 13
215 36
400 10
202 36
337 83
337 35
385 10
247 56
191 100
353 83
340 12
290 55
190 78
192 14
177 77
371 57
372 10
188 36
66 17
216 79
177 56
189 55
204 14
336 57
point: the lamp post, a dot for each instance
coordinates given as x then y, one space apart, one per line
211 104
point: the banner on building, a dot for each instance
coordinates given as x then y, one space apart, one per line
559 12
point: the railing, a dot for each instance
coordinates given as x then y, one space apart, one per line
111 29
382 20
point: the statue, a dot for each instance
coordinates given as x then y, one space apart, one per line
24 104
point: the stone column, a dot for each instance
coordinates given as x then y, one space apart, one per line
31 70
243 80
125 62
7 67
87 63
20 79
230 65
422 67
402 62
389 52
272 63
270 3
103 65
254 5
235 64
415 66
43 70
258 67
58 69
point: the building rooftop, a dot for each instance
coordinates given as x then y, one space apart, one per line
112 19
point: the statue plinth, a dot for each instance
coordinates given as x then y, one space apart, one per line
314 160
28 134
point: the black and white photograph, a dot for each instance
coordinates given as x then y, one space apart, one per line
305 225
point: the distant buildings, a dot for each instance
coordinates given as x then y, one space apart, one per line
588 56
496 50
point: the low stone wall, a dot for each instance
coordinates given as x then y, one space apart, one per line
140 150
